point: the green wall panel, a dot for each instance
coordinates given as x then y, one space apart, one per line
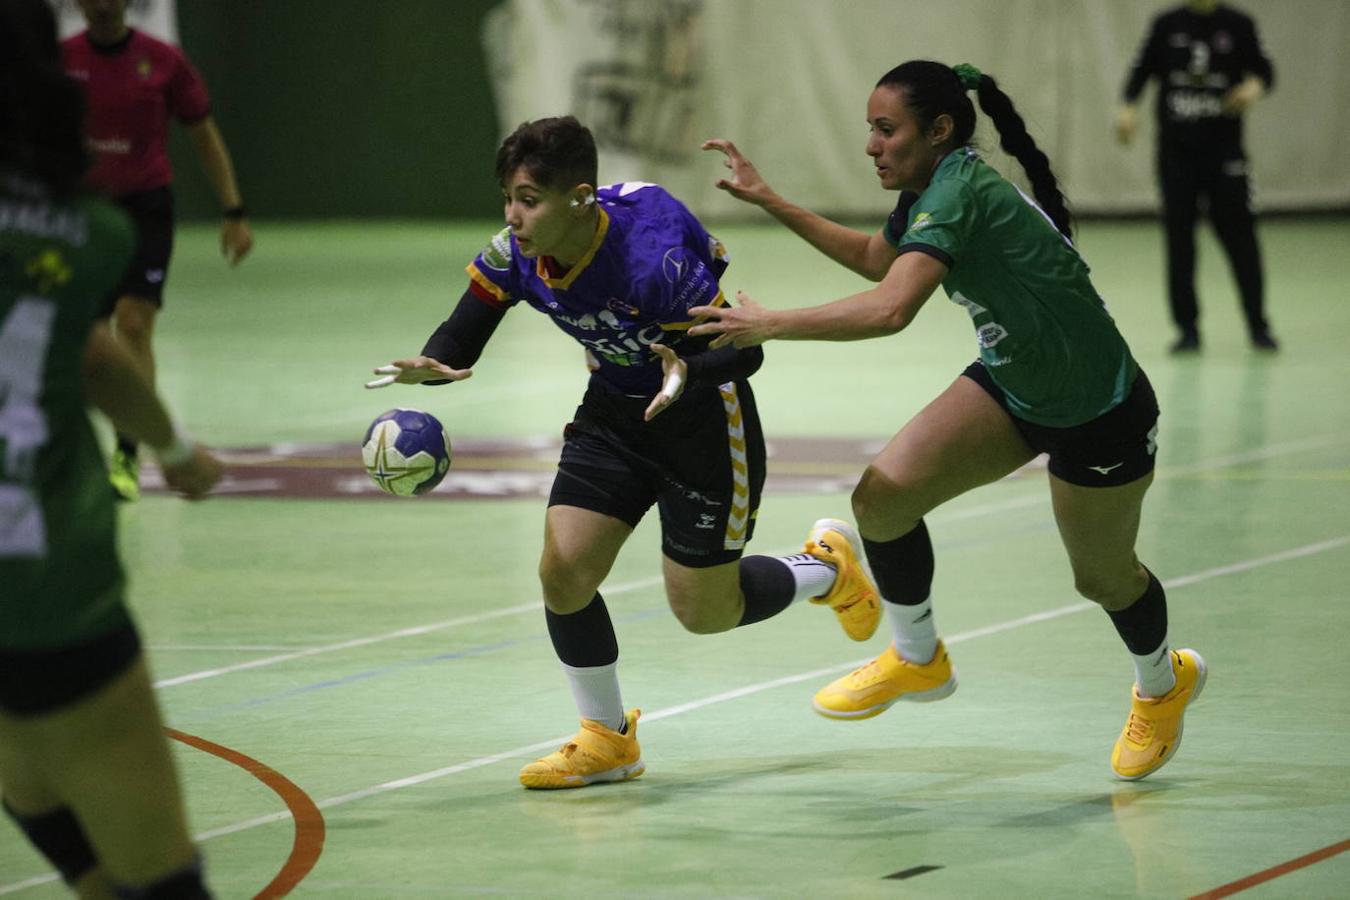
338 108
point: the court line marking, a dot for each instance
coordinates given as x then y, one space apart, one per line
748 690
1315 443
307 845
1265 875
735 694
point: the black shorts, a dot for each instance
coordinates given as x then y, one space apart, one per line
1117 447
701 461
33 682
152 213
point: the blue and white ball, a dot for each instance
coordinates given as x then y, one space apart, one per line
406 452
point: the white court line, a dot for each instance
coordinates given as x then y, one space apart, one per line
953 515
749 690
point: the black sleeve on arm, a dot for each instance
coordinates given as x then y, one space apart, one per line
721 365
1146 64
460 339
1257 63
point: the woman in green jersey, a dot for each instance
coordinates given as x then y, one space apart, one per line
85 768
1054 376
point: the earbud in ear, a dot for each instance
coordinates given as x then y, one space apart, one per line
585 201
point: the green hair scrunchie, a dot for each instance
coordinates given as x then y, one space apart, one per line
969 75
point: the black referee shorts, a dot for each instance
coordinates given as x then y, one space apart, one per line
701 461
1117 447
152 213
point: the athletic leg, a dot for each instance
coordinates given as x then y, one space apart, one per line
962 440
1098 526
1180 199
580 546
133 322
1235 225
107 760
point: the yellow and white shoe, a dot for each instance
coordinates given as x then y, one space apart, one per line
872 689
853 597
596 754
1152 733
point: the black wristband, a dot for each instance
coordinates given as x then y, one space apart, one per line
235 212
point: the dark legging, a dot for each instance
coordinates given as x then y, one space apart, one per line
1218 174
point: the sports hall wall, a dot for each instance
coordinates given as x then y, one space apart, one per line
346 108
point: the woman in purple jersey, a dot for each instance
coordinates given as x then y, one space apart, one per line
665 421
1011 264
87 773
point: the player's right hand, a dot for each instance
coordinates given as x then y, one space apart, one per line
196 475
745 182
415 371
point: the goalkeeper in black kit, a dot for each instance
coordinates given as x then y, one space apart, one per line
1210 69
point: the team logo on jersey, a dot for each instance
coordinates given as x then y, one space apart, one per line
673 265
49 270
990 335
967 304
143 68
497 254
921 221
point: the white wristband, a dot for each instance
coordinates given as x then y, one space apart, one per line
178 451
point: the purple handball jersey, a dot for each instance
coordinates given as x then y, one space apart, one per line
650 261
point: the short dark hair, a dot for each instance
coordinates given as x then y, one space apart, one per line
557 152
41 110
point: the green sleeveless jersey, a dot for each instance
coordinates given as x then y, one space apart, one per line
1043 331
60 579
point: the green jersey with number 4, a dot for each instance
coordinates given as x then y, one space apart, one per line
1044 333
60 579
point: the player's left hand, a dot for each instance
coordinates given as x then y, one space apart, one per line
745 325
235 240
676 372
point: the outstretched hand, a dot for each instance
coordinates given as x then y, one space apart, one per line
195 476
744 325
415 371
745 182
675 372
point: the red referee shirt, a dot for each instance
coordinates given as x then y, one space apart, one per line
132 89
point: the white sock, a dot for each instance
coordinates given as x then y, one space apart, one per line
1153 672
914 631
812 577
596 692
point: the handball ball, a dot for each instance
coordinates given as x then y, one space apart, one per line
406 452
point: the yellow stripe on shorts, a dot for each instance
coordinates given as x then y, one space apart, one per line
738 519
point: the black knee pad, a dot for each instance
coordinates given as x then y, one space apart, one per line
58 836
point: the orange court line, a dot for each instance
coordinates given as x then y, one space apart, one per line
309 824
1265 875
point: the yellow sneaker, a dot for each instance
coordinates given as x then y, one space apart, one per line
870 690
124 474
854 594
1153 731
596 754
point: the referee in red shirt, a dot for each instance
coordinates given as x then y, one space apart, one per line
133 84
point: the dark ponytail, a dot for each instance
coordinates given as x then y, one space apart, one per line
1017 143
933 89
41 110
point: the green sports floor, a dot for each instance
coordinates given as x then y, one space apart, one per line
355 679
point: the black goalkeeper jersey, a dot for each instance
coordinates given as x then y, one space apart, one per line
1197 58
